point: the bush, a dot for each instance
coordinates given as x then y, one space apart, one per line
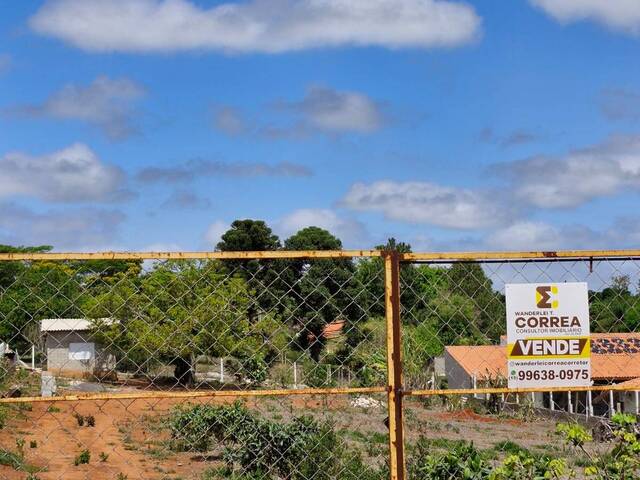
258 448
79 418
463 461
254 369
524 466
82 458
318 375
622 462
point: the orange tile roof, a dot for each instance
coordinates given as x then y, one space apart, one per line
333 329
633 383
492 359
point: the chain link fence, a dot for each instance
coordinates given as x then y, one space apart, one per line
300 365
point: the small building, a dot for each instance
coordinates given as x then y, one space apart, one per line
71 349
615 360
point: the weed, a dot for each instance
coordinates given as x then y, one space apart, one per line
103 456
79 418
82 458
33 444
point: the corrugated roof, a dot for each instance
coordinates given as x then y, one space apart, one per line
492 359
68 324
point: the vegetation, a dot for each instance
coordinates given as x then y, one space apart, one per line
82 458
254 447
621 462
257 313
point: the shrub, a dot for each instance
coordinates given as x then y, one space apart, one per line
258 448
524 466
318 375
622 462
254 369
463 461
84 457
79 418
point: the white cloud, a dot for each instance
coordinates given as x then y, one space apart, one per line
526 235
163 247
194 169
73 174
349 230
579 176
623 232
269 26
77 229
105 103
422 202
214 232
334 111
623 15
321 110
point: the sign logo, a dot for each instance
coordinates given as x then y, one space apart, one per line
545 296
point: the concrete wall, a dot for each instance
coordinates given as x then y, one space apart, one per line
57 348
457 377
629 400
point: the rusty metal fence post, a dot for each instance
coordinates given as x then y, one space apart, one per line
394 365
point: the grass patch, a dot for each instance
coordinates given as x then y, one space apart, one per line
16 461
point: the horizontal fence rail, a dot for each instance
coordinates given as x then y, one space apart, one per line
302 365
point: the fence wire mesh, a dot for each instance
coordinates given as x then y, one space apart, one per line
458 411
253 366
182 365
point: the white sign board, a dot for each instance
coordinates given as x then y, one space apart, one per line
81 351
548 338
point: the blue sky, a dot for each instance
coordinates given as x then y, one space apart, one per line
452 125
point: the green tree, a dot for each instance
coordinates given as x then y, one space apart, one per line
269 279
33 291
468 280
370 272
177 311
248 235
615 308
324 290
9 271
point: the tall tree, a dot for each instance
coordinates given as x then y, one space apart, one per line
178 311
468 280
248 235
324 290
268 279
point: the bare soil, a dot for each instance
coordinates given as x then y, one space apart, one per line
132 434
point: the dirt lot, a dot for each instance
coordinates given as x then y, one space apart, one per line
132 434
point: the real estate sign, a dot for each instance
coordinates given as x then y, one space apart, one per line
548 338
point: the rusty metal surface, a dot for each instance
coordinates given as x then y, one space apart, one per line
548 255
394 365
268 254
196 394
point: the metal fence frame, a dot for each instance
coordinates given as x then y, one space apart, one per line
392 261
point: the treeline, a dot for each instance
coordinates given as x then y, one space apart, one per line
263 311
